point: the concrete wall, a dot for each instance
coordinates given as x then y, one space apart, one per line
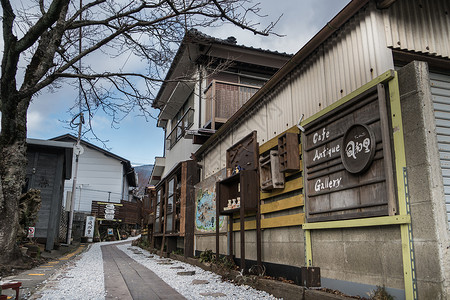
283 245
367 257
428 212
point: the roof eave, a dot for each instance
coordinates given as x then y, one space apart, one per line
342 17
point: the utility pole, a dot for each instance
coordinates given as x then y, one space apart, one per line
78 151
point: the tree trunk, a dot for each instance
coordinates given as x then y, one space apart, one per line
13 163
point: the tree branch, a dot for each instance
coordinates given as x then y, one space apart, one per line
42 25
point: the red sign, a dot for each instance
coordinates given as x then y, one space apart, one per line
31 232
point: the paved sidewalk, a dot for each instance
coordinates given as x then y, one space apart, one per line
127 279
32 279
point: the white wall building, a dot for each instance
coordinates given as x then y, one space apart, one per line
102 176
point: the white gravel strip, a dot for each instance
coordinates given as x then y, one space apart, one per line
81 278
183 284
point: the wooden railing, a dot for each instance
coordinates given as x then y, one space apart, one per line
180 128
223 99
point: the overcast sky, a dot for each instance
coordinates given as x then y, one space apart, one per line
140 141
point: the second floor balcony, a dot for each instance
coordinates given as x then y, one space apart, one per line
223 99
179 130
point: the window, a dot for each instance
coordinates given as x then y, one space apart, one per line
158 212
182 121
170 203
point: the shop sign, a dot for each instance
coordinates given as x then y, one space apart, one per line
346 155
90 224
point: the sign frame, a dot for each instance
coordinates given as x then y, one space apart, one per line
325 177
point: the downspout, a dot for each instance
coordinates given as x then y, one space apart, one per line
200 93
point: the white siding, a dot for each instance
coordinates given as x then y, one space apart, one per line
212 162
181 151
224 145
280 114
100 178
420 26
440 90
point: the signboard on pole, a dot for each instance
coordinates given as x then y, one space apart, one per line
90 224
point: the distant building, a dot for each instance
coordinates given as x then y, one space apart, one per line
49 165
102 176
143 174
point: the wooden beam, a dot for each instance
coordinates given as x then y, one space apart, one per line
291 202
290 186
365 222
275 222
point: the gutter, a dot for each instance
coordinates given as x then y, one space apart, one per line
340 19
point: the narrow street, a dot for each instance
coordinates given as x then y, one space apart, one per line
117 270
127 279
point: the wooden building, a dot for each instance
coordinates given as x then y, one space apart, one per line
208 81
367 101
49 165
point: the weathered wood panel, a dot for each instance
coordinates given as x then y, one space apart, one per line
346 155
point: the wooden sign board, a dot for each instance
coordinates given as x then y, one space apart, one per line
244 154
347 161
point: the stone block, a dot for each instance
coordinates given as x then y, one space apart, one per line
419 184
280 235
390 233
329 255
423 224
186 273
427 261
266 236
392 260
327 235
197 281
415 147
430 290
250 236
296 234
362 234
213 294
364 258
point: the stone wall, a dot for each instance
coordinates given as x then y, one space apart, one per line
428 211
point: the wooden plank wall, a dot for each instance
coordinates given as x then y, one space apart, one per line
289 200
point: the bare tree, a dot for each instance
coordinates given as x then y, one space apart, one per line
42 49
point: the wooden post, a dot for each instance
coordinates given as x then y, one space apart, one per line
242 229
166 191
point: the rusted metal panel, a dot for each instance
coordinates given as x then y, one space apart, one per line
419 26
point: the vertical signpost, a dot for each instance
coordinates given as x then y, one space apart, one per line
90 226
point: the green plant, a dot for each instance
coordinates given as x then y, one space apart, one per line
380 293
227 263
143 243
178 252
207 256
